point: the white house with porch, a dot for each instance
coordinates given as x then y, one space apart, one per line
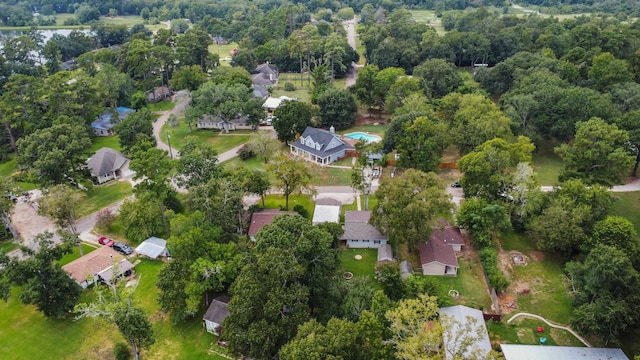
320 146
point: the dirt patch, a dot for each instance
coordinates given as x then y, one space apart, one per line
537 255
505 262
372 118
28 223
508 302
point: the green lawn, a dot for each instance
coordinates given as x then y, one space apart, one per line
163 105
99 142
276 201
8 245
524 331
628 206
428 17
547 168
75 254
26 334
223 51
363 267
101 196
548 296
302 94
469 284
212 137
354 205
8 168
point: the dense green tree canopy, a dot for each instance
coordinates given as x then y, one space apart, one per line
407 216
291 119
337 107
599 154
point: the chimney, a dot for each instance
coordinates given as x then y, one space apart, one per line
332 129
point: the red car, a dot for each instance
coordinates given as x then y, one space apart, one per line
105 241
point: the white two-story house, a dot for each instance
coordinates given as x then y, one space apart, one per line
320 146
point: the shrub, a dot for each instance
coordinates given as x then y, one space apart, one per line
105 218
121 351
301 210
245 153
489 260
289 87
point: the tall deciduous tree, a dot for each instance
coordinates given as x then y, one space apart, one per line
607 289
364 88
488 170
407 206
61 204
132 126
338 339
473 119
438 77
197 165
599 154
44 283
188 77
291 118
422 144
152 167
276 291
263 145
292 175
7 205
337 107
55 152
416 331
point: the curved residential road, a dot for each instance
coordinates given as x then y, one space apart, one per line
630 187
350 25
182 100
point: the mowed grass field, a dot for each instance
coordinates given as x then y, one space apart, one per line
211 137
26 334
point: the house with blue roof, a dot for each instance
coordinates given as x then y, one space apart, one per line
320 146
103 126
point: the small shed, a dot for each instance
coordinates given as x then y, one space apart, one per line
326 213
405 269
153 248
385 253
216 313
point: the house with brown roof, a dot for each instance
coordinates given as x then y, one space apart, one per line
438 258
264 217
100 264
358 233
216 313
449 234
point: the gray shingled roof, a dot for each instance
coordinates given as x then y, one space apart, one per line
361 231
106 160
385 253
460 314
437 250
323 137
353 216
217 310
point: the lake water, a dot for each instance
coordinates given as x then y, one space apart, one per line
46 34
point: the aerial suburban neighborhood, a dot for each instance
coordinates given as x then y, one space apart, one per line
268 179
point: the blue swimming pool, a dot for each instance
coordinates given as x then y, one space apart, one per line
359 135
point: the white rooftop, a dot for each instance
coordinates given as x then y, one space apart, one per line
274 103
326 213
548 352
460 314
153 247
